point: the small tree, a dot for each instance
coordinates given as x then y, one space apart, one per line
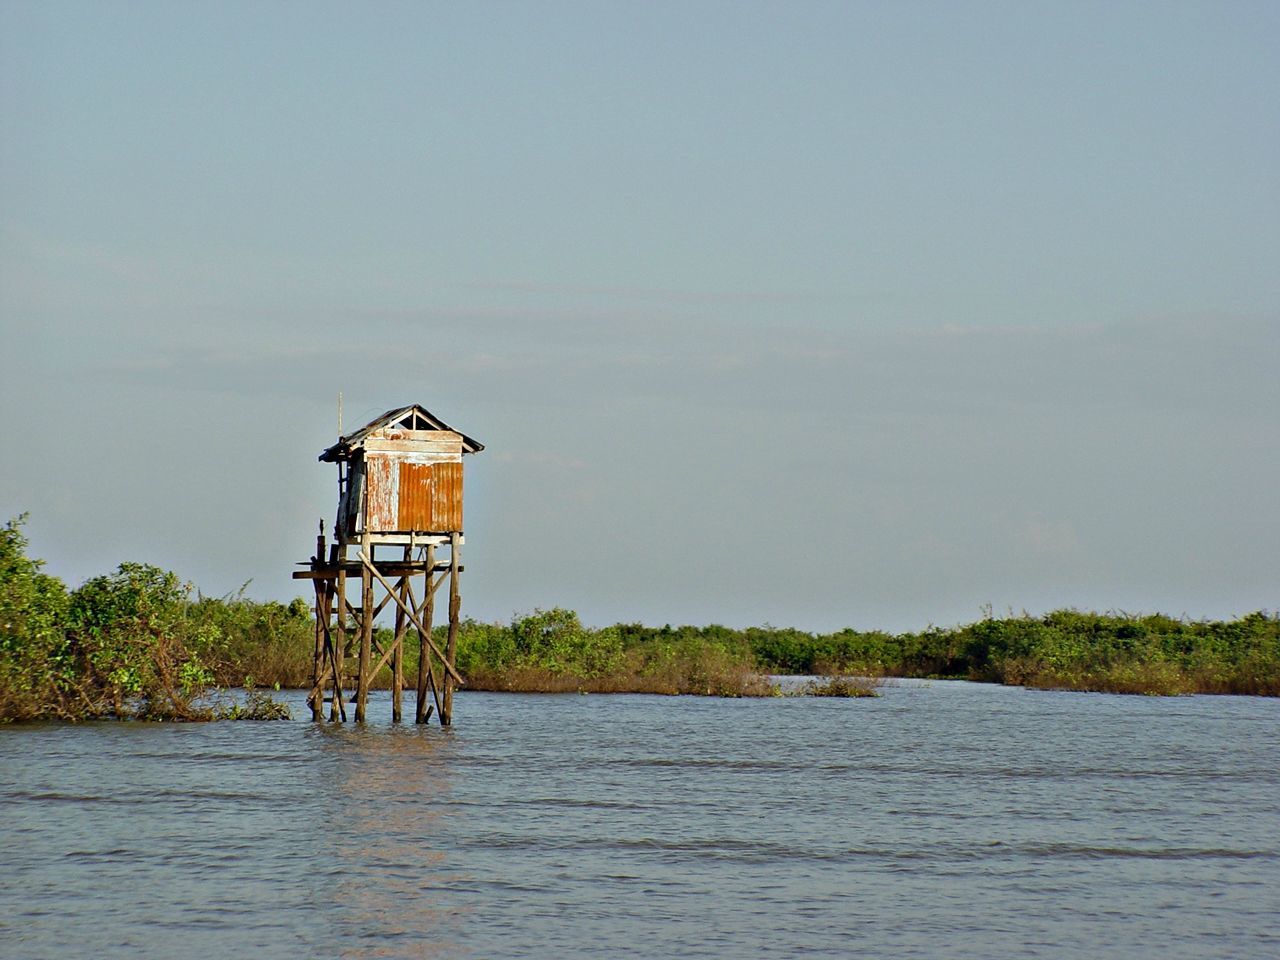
130 631
35 663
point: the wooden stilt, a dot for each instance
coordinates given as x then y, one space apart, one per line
423 712
316 699
397 649
428 604
338 711
325 677
366 632
451 650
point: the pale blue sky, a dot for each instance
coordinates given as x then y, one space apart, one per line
820 314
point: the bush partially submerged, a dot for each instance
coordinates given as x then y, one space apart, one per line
129 645
257 705
840 686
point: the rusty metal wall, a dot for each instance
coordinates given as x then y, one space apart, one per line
415 496
446 504
430 497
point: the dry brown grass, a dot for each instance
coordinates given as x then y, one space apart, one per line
1157 679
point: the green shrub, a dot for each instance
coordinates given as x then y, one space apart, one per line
131 643
36 665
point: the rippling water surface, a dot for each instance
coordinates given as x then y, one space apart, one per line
941 820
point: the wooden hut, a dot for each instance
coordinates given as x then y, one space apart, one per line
400 478
399 491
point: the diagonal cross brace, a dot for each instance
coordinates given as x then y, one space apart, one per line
412 619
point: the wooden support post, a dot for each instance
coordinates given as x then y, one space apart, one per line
339 710
451 651
316 700
431 669
324 610
424 650
317 669
366 632
397 647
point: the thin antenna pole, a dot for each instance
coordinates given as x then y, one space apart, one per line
339 413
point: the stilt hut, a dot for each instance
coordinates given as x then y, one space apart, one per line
399 492
400 478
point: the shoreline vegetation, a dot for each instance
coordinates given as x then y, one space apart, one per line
138 643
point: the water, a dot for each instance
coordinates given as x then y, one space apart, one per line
941 820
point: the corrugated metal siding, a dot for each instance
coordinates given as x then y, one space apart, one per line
415 496
430 497
384 483
446 505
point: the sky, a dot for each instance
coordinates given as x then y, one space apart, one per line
812 314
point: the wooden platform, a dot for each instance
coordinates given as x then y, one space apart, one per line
393 568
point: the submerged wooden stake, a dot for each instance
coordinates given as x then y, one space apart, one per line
425 672
339 709
397 648
366 633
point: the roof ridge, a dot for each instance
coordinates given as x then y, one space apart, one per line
348 442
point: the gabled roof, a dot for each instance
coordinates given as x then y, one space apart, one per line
412 417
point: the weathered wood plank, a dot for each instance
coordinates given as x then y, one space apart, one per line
366 629
455 605
397 644
439 447
399 538
426 673
338 709
393 569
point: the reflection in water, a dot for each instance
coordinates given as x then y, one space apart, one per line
390 791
